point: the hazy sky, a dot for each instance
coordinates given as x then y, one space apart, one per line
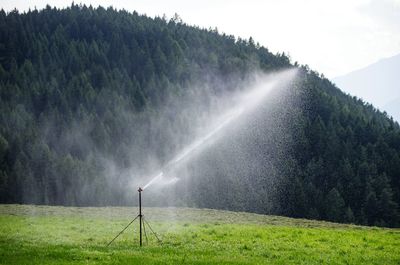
333 37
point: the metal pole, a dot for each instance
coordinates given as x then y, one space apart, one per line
122 231
140 214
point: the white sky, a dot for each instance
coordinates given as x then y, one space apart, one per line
333 37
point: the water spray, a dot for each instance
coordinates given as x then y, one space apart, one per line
186 152
248 101
245 102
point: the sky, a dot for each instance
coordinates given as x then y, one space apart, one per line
333 37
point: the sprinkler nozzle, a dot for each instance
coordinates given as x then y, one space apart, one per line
140 189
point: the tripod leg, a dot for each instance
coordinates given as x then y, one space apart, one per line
122 231
144 230
152 231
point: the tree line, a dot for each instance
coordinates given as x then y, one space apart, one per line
85 94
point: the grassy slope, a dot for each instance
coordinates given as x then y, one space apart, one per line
70 235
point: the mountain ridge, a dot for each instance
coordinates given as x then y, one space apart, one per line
376 83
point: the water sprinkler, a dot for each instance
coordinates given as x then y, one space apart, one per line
142 223
140 214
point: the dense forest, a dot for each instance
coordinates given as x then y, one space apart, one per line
91 98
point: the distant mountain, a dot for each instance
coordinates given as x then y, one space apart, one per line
393 108
378 84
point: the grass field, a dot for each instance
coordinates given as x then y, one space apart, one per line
71 235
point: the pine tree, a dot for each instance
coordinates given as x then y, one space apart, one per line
348 216
334 206
371 208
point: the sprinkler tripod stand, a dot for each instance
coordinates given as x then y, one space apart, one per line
142 223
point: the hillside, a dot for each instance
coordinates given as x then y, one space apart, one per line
94 101
69 235
377 84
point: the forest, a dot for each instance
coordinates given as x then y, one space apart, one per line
89 95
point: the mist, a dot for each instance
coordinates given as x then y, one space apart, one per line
217 126
230 138
219 138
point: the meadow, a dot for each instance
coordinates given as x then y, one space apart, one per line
73 235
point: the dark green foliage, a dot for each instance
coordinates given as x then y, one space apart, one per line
348 216
346 153
81 87
334 206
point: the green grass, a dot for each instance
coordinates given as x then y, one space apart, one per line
71 235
